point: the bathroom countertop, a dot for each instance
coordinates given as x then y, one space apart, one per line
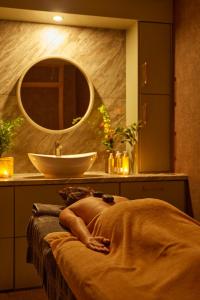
88 177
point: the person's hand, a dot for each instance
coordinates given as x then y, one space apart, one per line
98 243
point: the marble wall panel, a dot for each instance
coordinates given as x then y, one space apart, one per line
100 52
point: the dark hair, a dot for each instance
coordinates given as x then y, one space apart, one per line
72 194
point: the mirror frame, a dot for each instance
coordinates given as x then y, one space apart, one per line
56 131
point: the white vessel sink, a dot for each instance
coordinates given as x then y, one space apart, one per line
52 166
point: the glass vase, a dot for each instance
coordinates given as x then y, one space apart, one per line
106 157
133 159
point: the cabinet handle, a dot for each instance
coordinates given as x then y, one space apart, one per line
144 114
145 73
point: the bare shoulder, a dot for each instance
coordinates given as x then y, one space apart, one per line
118 199
85 201
85 209
66 216
66 211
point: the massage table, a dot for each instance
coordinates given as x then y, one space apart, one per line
145 260
39 254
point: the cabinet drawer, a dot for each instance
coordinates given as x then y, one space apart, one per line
25 196
170 191
25 273
6 212
6 263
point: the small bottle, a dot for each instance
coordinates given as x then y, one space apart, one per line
118 163
111 163
125 163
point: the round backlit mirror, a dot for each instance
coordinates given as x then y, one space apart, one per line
55 95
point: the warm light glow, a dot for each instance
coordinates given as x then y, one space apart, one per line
6 167
125 165
52 38
5 173
125 171
58 18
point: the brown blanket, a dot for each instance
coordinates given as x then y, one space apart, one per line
154 255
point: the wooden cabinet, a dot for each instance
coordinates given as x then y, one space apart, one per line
25 274
7 212
25 196
6 263
155 58
6 237
155 97
170 191
155 139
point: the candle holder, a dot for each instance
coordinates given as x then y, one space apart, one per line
6 167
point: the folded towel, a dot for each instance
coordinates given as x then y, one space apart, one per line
41 209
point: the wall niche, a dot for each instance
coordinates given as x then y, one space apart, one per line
100 52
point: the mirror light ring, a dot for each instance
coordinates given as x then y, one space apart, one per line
56 131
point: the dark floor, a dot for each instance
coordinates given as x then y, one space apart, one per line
34 294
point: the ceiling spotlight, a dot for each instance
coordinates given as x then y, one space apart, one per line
57 18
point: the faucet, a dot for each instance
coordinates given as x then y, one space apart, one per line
58 148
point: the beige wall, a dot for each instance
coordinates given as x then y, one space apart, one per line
187 94
100 52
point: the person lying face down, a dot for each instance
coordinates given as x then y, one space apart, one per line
82 206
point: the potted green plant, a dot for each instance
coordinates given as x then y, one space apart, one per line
8 129
129 135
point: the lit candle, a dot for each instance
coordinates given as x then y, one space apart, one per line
125 171
6 167
5 173
125 164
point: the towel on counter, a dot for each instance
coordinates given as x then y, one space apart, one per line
154 255
41 209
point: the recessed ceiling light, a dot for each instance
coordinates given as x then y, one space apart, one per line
57 18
